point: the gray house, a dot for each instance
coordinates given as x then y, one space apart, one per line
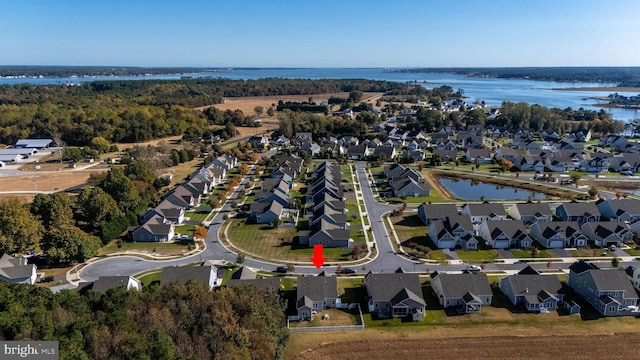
395 295
479 213
538 293
17 270
530 213
156 229
558 234
467 291
504 234
410 187
620 209
609 291
207 275
430 212
455 230
607 233
581 212
315 293
106 283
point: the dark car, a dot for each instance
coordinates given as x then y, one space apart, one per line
282 269
347 271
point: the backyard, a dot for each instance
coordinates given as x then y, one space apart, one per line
412 234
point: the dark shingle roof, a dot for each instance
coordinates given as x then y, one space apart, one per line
183 274
317 288
457 285
260 284
386 287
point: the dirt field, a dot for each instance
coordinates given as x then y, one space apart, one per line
618 346
44 182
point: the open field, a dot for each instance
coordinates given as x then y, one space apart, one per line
454 343
337 317
169 139
49 181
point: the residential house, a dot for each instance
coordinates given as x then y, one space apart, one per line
504 234
634 276
385 152
508 154
207 275
609 291
485 211
226 161
617 142
466 291
409 187
581 212
558 234
530 212
395 295
269 197
244 273
529 163
455 230
266 213
331 215
583 135
260 141
17 270
197 186
619 209
167 210
327 234
314 294
607 233
564 160
268 284
181 196
626 162
446 156
469 141
538 293
430 212
445 145
358 151
416 155
106 283
156 229
596 162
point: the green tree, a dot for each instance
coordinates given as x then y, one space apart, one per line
68 244
593 191
615 262
96 207
121 189
54 210
100 144
270 111
258 110
139 170
20 230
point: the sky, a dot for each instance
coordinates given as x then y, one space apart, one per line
327 33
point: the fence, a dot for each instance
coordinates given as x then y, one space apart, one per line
330 328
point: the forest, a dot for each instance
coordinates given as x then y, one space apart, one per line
140 110
168 322
622 76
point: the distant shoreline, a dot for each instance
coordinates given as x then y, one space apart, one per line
604 88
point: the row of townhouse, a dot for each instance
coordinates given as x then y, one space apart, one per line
273 201
605 223
328 224
158 224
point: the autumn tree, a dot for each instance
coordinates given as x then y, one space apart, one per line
200 232
20 230
95 207
121 189
68 244
505 164
100 144
54 210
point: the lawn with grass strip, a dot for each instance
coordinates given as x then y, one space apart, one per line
265 241
151 248
632 252
150 278
587 252
476 256
196 217
519 253
335 317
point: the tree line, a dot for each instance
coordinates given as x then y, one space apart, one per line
169 322
72 230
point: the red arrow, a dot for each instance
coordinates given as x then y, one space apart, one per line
317 258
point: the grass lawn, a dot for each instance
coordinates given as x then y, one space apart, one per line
263 240
186 229
174 248
351 207
196 216
476 256
337 317
357 235
519 253
587 252
632 252
150 278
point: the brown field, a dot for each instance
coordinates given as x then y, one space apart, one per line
123 146
247 104
44 181
408 346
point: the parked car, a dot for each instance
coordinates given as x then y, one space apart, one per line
347 271
282 269
474 268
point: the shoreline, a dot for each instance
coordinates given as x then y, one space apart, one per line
603 88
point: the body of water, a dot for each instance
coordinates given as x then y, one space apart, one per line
467 190
493 91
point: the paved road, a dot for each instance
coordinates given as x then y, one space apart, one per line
386 260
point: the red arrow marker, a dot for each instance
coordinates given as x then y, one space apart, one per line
317 258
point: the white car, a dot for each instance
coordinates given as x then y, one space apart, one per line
474 268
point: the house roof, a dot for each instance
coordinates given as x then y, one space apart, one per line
486 209
260 284
603 229
105 283
532 284
403 182
550 228
394 287
582 266
612 280
534 209
458 285
156 225
15 268
244 273
183 274
575 208
621 206
317 288
435 211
